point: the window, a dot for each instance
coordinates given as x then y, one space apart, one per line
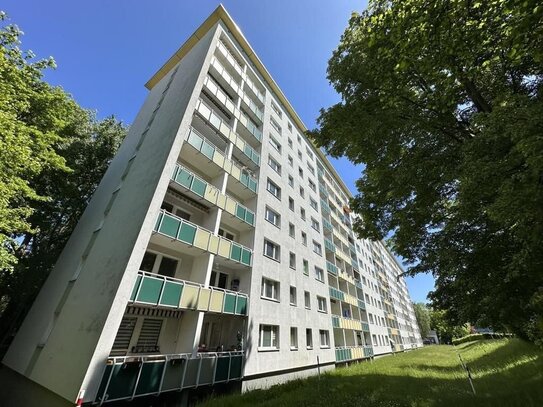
307 300
274 189
304 238
299 139
274 164
374 340
291 180
167 267
311 169
148 337
306 267
312 186
325 338
321 304
317 248
300 155
269 337
273 217
302 192
319 274
275 144
289 141
271 250
313 204
226 234
275 125
290 203
293 338
276 109
315 224
300 172
309 152
293 299
309 338
270 289
148 262
291 230
292 260
290 161
289 126
302 213
218 279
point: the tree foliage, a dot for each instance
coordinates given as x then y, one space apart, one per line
442 101
53 154
422 313
446 332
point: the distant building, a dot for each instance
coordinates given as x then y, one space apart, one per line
217 250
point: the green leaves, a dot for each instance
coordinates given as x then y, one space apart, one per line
442 102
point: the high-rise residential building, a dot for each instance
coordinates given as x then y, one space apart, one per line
218 250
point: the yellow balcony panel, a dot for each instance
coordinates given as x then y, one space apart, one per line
230 206
213 246
225 130
211 194
189 299
235 172
203 299
221 201
217 298
201 239
218 158
224 248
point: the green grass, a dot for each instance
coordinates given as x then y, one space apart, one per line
505 373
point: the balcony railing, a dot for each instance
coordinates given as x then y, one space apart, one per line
347 323
336 294
329 245
128 377
327 225
196 236
346 353
331 268
224 128
187 179
201 144
162 291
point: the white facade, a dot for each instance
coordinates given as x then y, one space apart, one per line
218 248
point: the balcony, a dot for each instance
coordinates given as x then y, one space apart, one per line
196 238
331 268
327 225
207 152
252 158
329 245
365 327
128 377
160 291
346 323
199 189
345 353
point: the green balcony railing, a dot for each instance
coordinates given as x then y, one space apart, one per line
368 351
327 225
331 268
329 245
201 144
336 294
190 181
224 129
193 235
365 327
325 208
335 322
361 304
136 376
162 291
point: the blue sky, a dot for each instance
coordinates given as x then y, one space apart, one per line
107 50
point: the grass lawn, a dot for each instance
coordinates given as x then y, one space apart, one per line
506 372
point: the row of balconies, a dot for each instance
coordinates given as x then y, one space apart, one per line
195 236
344 354
349 323
128 377
188 180
161 291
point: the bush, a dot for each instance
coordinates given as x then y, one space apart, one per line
476 337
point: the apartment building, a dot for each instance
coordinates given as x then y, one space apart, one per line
218 251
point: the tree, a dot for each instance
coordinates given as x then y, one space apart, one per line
446 332
442 101
51 197
423 318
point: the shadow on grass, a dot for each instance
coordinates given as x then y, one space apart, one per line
429 377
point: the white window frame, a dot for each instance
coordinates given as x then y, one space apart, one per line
324 337
317 248
274 214
273 188
322 304
274 337
274 164
276 250
275 289
295 292
307 300
293 335
309 334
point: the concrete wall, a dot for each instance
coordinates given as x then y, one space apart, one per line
69 331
